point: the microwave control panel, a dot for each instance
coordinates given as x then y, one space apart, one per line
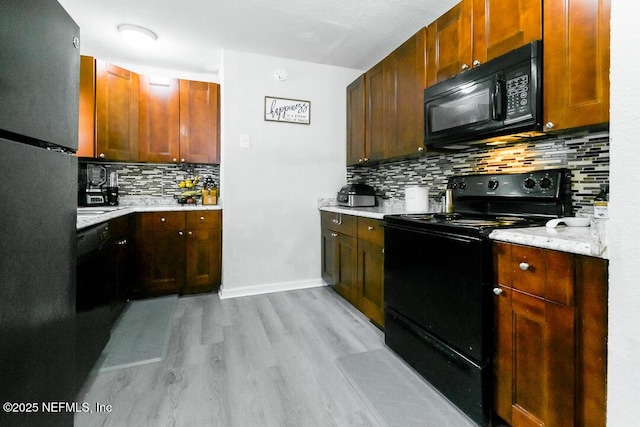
518 97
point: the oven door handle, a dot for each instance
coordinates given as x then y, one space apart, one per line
451 236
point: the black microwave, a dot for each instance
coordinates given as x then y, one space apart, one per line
501 97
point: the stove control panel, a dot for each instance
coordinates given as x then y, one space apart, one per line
539 183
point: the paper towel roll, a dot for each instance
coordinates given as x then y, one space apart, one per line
416 199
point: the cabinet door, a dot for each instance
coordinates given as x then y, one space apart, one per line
199 122
576 63
202 260
534 361
370 281
405 72
87 110
159 120
116 112
329 256
346 257
161 258
449 43
493 35
376 113
356 99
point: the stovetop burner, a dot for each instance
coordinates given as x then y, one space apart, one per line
477 224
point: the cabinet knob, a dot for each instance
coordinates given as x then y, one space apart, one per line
174 160
122 242
163 219
497 291
180 233
476 63
523 266
101 155
201 218
464 67
334 234
550 125
190 233
370 228
420 149
359 160
182 160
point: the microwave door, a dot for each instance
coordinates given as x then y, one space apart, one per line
464 112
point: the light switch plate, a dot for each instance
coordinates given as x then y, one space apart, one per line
245 141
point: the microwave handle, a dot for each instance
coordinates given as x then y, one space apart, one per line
498 101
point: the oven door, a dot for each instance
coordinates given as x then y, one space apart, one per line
464 110
442 283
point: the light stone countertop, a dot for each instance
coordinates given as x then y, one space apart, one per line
385 207
136 205
577 240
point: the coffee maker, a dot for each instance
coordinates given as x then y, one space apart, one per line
97 185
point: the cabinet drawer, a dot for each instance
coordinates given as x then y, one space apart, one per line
371 230
345 224
544 273
200 220
161 221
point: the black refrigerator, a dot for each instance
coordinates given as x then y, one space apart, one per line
39 76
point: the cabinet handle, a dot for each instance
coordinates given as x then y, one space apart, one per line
163 219
121 242
497 291
334 234
101 155
476 63
370 228
550 125
524 266
180 233
464 67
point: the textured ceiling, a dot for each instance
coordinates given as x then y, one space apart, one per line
193 33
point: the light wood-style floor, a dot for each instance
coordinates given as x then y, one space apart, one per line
266 360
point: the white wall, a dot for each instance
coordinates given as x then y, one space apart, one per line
623 405
269 192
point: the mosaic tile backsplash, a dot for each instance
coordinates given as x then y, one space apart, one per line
587 157
146 179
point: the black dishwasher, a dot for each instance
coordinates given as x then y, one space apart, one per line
93 293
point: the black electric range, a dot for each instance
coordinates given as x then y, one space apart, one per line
439 278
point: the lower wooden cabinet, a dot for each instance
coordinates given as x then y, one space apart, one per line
352 261
550 337
178 252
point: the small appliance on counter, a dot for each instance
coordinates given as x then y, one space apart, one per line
357 195
97 185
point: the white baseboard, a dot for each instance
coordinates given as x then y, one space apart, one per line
225 293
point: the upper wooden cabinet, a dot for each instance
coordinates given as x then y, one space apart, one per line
449 43
576 63
127 117
376 107
356 99
404 74
117 92
199 122
159 138
87 108
393 121
476 31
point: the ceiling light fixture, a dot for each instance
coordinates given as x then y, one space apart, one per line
136 36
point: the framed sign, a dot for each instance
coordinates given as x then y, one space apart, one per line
287 110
